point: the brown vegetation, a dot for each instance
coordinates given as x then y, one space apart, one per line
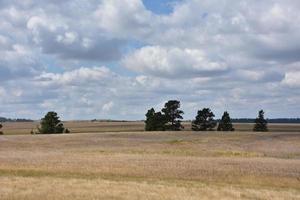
18 128
151 165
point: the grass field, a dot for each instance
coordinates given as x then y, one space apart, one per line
149 165
20 128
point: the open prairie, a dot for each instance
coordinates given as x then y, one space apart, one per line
19 128
150 165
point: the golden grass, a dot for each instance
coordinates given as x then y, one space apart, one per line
151 165
60 189
19 128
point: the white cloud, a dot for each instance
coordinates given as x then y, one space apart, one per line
173 62
108 106
124 18
239 55
82 75
292 79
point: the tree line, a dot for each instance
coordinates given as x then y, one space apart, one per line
170 118
3 119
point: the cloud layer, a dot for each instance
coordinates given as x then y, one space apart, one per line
115 59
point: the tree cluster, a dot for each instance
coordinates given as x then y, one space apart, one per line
170 119
204 121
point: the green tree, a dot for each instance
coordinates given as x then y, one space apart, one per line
1 133
51 124
173 115
149 123
261 124
155 121
225 123
204 120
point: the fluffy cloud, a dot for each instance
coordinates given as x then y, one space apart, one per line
173 62
239 56
65 39
76 77
124 21
292 79
17 61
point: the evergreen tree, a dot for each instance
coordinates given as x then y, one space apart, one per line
155 121
261 124
204 120
51 124
173 115
225 124
1 133
159 122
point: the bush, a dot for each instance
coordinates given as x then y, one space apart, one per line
67 131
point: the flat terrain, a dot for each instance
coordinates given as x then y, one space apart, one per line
150 165
20 128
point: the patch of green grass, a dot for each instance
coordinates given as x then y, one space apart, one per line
292 156
176 141
237 154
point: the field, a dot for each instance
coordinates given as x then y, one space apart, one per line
107 163
21 128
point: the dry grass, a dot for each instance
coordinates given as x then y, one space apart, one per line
19 128
144 165
77 189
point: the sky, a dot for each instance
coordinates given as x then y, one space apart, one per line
115 59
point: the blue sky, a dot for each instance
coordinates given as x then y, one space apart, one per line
160 6
115 59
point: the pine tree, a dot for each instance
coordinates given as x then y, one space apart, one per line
173 115
155 121
51 124
225 123
150 120
261 124
204 120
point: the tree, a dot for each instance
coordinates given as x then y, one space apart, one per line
260 123
155 121
51 124
173 115
1 133
204 120
225 124
149 123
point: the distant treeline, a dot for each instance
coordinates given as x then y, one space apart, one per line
3 119
278 120
109 120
